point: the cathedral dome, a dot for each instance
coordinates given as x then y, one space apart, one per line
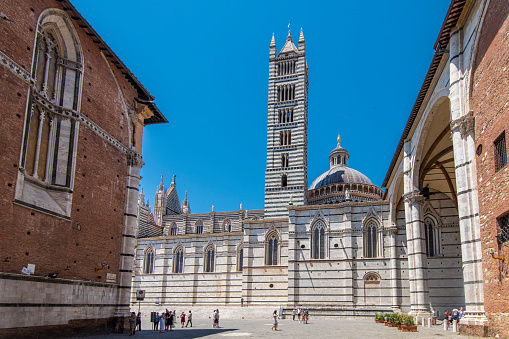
342 183
340 175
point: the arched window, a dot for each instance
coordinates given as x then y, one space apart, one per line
318 240
199 227
209 259
173 229
284 180
51 129
370 240
240 258
178 260
431 236
227 225
272 248
148 261
371 279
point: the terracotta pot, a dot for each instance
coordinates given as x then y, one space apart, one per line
391 324
400 327
379 321
409 328
386 323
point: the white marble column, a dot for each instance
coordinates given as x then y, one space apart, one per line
134 163
462 128
417 264
393 233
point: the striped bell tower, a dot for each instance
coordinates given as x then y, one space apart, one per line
287 128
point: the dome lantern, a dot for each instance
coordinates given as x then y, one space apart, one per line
339 156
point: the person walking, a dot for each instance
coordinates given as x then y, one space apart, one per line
190 319
166 320
214 318
182 319
138 321
274 321
294 312
132 323
162 322
217 320
299 311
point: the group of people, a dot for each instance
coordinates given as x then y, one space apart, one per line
302 315
454 315
167 320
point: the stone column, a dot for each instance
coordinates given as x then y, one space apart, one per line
462 129
393 233
134 164
417 264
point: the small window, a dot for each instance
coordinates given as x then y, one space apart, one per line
503 228
430 237
272 248
209 259
284 180
173 229
500 153
178 260
148 262
370 240
318 240
240 259
199 227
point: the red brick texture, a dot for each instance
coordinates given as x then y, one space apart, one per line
490 103
74 248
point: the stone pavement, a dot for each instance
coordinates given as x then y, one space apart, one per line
260 328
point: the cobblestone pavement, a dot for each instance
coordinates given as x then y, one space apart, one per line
259 328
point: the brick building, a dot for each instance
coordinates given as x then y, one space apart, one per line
71 120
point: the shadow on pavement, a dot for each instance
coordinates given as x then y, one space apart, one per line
181 334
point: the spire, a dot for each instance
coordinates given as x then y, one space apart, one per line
186 207
272 47
302 42
173 180
161 185
289 37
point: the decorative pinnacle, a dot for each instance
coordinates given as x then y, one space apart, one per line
301 38
173 180
339 139
273 41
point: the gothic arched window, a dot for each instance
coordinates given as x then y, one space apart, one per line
209 259
240 258
199 227
431 236
272 249
370 240
49 145
318 240
148 261
178 260
173 229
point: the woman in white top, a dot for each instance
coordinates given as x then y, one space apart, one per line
161 322
274 321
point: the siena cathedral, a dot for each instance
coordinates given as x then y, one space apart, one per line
341 245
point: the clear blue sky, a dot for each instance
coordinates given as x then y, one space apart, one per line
206 63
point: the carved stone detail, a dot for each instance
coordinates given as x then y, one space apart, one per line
465 124
134 159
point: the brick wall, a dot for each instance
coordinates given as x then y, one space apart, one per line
93 235
490 103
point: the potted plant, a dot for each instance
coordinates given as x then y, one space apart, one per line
408 324
392 320
379 318
399 321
